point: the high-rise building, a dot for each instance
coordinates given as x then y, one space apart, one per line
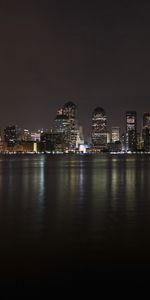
131 131
61 124
99 130
123 142
70 110
146 120
146 131
115 134
25 135
12 135
80 137
61 128
65 126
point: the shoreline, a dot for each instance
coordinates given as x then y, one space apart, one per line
72 154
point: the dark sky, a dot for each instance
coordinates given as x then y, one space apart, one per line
95 53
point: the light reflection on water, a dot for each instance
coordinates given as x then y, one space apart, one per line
74 206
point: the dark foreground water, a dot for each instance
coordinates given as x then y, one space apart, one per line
74 218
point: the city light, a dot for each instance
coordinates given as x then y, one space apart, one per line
66 135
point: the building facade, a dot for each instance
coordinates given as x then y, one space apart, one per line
115 134
12 135
61 128
70 110
99 130
131 131
66 124
146 131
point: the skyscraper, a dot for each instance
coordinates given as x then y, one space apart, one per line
61 128
99 129
65 126
146 131
80 137
146 120
131 131
70 110
115 134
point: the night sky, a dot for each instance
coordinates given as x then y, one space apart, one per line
90 52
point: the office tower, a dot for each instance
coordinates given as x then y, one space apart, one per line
99 130
131 131
146 131
80 137
61 130
115 134
25 135
61 124
123 142
146 120
12 135
66 123
64 128
70 110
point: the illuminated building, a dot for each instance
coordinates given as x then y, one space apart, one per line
70 110
123 142
99 130
52 142
83 148
115 134
35 136
61 124
114 146
12 135
80 138
1 142
131 131
108 137
139 141
61 128
146 120
25 135
65 125
146 131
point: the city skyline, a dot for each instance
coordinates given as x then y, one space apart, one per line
74 144
110 123
94 54
66 134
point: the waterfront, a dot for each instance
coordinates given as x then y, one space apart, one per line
73 214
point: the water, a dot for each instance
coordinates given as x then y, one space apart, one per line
74 216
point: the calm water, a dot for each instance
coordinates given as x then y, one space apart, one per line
61 215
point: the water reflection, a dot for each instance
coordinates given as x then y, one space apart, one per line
81 179
88 203
22 196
